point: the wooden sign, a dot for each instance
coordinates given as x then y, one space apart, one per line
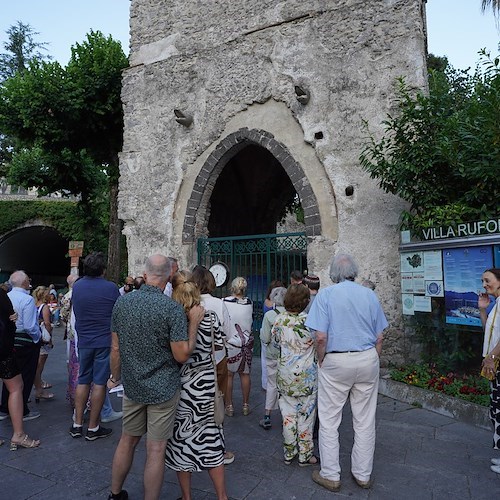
76 244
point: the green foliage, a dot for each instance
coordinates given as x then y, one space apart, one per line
66 217
441 152
66 127
449 347
473 388
436 63
21 49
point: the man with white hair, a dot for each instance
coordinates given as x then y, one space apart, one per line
27 340
348 321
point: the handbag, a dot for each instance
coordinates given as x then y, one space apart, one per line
46 337
219 397
491 375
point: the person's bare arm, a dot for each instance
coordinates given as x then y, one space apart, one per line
46 318
378 345
183 349
320 339
482 303
115 363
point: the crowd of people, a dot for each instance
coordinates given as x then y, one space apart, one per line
173 346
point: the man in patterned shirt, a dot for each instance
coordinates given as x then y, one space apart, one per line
151 335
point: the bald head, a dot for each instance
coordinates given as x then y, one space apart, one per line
157 270
19 279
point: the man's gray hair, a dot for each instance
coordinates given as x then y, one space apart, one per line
343 268
277 295
158 265
17 279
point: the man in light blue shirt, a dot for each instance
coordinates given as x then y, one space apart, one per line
27 340
348 321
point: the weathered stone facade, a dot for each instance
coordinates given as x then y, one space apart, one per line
233 67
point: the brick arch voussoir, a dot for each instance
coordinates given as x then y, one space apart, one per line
217 160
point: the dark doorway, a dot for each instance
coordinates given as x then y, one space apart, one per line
40 251
250 194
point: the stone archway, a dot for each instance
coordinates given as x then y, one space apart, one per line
197 212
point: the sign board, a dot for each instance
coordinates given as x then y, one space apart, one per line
76 244
463 269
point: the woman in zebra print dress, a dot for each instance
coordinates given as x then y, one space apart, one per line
198 442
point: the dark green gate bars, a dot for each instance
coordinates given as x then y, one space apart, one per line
259 259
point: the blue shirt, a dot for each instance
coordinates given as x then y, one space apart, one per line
93 299
350 315
24 305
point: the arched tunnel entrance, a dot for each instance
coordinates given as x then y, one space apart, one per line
251 194
40 251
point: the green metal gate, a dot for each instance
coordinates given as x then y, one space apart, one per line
259 259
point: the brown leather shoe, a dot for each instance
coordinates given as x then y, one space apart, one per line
362 484
326 483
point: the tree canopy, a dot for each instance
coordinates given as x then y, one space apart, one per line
21 48
441 151
66 125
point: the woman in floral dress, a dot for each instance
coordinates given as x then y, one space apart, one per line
296 377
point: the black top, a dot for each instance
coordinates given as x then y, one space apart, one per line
7 327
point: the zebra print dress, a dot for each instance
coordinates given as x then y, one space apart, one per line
197 443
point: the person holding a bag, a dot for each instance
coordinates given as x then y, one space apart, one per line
197 443
239 343
42 296
491 351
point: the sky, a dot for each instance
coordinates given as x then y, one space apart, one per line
456 28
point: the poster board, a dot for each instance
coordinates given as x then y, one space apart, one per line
463 268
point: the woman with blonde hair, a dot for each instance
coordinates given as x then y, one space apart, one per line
41 295
239 342
197 443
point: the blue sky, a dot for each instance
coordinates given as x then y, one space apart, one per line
456 28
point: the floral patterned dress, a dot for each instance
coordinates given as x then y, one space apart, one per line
297 382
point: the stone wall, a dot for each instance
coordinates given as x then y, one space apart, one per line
234 65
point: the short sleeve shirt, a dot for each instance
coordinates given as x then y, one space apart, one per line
350 314
146 322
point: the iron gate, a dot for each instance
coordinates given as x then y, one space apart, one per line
259 259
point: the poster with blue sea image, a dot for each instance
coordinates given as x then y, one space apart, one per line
463 268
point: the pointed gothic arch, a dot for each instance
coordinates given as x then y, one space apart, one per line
197 213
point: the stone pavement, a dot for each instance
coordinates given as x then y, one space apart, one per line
419 455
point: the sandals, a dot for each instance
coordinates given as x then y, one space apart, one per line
44 395
246 409
229 410
314 460
26 442
46 385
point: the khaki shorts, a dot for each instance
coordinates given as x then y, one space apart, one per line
155 420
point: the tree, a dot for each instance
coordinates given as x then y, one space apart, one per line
494 4
68 126
21 49
441 152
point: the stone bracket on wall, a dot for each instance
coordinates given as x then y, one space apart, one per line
196 213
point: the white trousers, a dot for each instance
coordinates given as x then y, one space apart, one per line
263 376
271 390
342 375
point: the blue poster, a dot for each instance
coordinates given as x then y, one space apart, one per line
496 250
463 268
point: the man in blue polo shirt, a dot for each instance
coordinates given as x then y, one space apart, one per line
93 300
349 322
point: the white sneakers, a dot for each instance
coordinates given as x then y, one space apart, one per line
496 465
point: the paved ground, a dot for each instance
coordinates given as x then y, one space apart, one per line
419 455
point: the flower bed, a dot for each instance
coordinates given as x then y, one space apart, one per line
475 389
